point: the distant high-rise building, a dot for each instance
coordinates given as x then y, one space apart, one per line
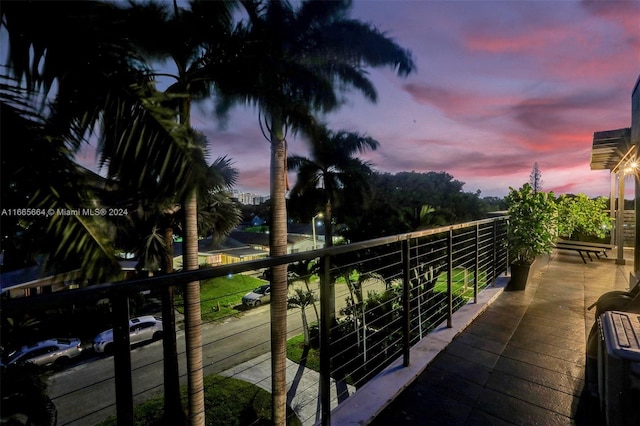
249 198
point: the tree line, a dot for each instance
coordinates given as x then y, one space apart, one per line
388 204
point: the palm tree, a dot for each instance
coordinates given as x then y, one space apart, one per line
294 61
335 174
37 172
302 299
181 35
81 51
334 170
302 271
154 226
218 215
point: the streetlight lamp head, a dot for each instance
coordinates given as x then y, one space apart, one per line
313 226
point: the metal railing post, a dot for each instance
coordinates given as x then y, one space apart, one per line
494 263
406 301
122 359
450 280
476 266
506 246
325 341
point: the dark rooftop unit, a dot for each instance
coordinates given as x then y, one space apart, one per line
609 147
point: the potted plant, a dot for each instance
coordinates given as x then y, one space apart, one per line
532 230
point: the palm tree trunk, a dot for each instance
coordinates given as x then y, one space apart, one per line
277 247
328 230
305 328
173 410
328 242
354 306
315 307
193 319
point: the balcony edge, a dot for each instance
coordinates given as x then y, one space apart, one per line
366 403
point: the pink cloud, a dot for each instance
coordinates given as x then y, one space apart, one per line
511 43
569 44
557 114
460 103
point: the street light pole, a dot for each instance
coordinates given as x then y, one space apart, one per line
313 228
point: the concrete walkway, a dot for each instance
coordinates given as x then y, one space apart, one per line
303 385
521 362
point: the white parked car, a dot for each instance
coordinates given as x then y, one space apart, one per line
141 329
47 352
259 295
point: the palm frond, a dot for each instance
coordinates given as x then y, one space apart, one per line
333 167
367 46
221 174
218 215
142 144
152 252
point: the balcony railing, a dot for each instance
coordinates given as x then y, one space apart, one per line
379 297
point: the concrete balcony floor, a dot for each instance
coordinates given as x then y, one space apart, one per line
522 361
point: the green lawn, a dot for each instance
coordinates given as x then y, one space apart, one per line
462 281
228 402
221 297
295 351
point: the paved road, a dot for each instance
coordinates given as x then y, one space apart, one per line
85 393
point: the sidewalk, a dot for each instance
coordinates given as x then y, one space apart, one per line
303 385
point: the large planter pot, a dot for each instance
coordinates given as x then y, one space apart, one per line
519 275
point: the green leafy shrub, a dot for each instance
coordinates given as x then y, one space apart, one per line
532 223
580 214
24 396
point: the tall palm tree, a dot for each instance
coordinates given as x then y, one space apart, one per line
334 170
294 61
335 174
153 226
181 35
79 67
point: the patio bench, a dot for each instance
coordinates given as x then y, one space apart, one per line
603 247
584 248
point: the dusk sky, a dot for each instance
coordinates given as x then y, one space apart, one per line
499 85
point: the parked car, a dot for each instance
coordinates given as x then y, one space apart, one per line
47 352
266 274
259 295
141 329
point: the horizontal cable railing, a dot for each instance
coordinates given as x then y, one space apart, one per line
383 296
